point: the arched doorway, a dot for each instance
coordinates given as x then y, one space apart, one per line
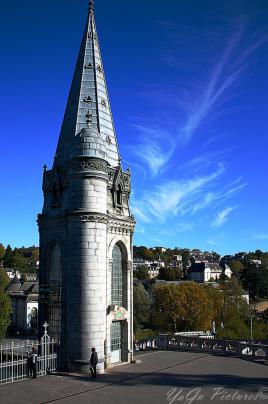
116 299
55 287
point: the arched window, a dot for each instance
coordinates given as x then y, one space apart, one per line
117 277
119 195
55 278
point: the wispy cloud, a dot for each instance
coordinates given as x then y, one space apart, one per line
154 147
199 104
217 89
171 198
221 217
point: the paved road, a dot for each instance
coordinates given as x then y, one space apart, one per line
160 377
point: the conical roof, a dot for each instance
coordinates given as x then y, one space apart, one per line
88 104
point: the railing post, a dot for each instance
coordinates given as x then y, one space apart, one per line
1 364
12 360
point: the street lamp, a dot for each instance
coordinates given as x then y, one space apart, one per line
251 328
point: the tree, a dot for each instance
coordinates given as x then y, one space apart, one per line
141 273
256 282
8 257
2 252
141 306
4 280
237 267
181 307
216 302
235 312
185 258
5 311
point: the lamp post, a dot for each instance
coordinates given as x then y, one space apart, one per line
251 329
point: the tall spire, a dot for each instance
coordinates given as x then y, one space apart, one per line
88 103
91 6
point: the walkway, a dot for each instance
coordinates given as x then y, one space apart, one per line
160 377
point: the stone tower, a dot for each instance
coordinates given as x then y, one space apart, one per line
86 227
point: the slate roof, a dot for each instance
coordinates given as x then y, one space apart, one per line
17 288
201 266
88 103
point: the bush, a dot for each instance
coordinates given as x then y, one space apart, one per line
143 334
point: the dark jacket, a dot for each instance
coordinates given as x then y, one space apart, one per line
94 359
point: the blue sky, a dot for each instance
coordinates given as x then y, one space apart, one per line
189 90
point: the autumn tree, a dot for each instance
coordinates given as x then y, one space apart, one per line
181 307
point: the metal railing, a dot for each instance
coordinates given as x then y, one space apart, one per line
14 359
241 349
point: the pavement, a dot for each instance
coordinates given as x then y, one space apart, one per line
158 377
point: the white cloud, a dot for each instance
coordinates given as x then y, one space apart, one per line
154 148
171 198
222 216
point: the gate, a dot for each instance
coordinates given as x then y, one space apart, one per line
14 359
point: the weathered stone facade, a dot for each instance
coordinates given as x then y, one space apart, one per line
86 227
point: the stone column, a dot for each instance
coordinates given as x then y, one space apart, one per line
86 277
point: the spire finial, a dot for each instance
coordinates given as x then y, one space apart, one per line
91 6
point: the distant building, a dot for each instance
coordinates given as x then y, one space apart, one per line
24 300
153 267
255 263
176 262
12 273
203 272
161 249
30 276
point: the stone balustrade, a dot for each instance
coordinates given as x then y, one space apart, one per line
241 349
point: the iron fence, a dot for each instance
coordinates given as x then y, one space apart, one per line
14 359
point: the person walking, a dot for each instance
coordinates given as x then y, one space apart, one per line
93 363
33 363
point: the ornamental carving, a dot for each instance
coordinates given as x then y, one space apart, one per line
90 164
121 227
95 218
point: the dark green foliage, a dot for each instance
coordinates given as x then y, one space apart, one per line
2 252
4 280
141 307
141 273
5 311
22 259
170 274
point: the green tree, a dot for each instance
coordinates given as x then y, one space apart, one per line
2 252
141 307
5 311
4 280
141 273
237 267
8 257
167 274
256 282
185 258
